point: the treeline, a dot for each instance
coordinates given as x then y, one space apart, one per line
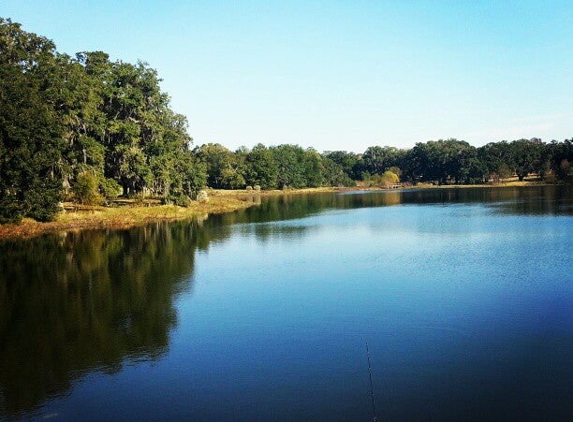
441 162
275 167
457 162
89 129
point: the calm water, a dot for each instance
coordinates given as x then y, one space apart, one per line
464 296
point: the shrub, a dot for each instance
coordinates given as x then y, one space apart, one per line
180 200
110 189
85 189
386 180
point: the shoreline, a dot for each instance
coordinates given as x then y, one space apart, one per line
131 213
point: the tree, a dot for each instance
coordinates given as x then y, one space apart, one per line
497 159
527 157
88 124
290 161
334 174
313 169
223 169
347 161
143 138
376 159
190 174
261 168
386 180
561 158
443 161
78 108
30 131
85 189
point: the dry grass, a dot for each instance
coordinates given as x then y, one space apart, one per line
214 193
124 215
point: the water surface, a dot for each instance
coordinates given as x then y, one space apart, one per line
464 296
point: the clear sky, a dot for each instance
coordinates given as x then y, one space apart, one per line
337 74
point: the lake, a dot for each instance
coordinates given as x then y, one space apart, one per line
465 297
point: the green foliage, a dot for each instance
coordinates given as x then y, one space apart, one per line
314 169
110 189
232 179
30 129
386 180
347 161
85 122
376 159
526 156
442 162
224 169
177 199
560 158
189 175
86 189
290 160
390 178
498 160
334 174
261 167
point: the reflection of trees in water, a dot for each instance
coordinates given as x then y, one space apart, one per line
530 200
518 200
510 200
540 201
87 301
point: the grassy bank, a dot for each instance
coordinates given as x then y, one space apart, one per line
128 213
123 214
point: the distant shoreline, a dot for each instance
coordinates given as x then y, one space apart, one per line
130 213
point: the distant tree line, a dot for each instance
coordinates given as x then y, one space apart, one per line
441 162
89 129
275 167
456 162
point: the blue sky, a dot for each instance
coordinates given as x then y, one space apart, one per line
337 74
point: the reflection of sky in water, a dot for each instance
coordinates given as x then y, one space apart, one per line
467 312
464 308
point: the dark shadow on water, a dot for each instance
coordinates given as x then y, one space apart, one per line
88 301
